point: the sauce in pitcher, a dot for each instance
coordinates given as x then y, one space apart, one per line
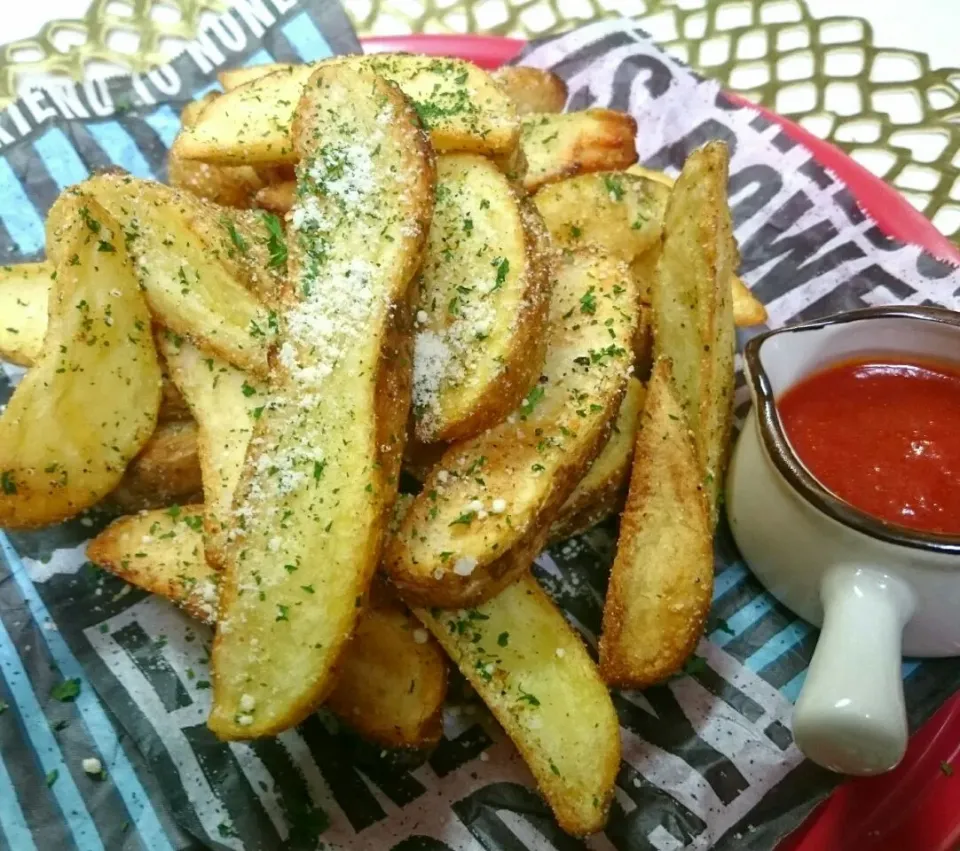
884 436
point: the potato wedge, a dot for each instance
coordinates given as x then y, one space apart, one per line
187 287
662 577
747 310
532 89
90 404
458 103
533 672
226 403
312 496
572 143
24 296
232 186
620 213
602 490
692 307
486 508
393 678
167 470
278 197
482 302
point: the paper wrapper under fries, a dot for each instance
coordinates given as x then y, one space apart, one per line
397 757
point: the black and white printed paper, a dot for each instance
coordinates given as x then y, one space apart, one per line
709 760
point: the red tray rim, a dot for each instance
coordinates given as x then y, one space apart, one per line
916 806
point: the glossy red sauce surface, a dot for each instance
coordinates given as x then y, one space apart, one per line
883 436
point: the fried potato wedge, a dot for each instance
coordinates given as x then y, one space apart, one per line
747 309
533 672
90 403
458 103
313 493
278 197
24 302
692 307
601 491
532 89
486 508
226 403
662 577
187 287
393 677
482 304
24 297
558 146
167 470
232 186
620 213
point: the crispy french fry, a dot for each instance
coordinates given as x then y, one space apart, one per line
312 496
482 305
232 186
225 403
24 293
486 508
532 89
392 680
662 576
187 287
661 581
166 471
602 490
621 213
572 143
278 197
460 105
691 304
533 672
747 310
90 404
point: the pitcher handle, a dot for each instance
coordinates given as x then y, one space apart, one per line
850 716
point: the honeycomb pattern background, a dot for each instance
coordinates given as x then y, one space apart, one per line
826 74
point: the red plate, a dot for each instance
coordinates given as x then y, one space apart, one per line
917 806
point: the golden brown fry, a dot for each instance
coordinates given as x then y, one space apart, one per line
533 672
572 143
747 310
602 490
463 109
191 289
278 197
487 506
532 89
166 471
662 576
232 186
621 213
393 677
691 304
225 403
660 585
482 302
24 293
316 483
90 404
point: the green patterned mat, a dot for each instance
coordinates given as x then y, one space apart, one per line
826 74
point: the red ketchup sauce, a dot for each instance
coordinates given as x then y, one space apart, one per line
884 436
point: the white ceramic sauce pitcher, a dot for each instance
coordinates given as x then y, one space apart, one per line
878 590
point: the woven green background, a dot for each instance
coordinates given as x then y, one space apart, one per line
827 74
